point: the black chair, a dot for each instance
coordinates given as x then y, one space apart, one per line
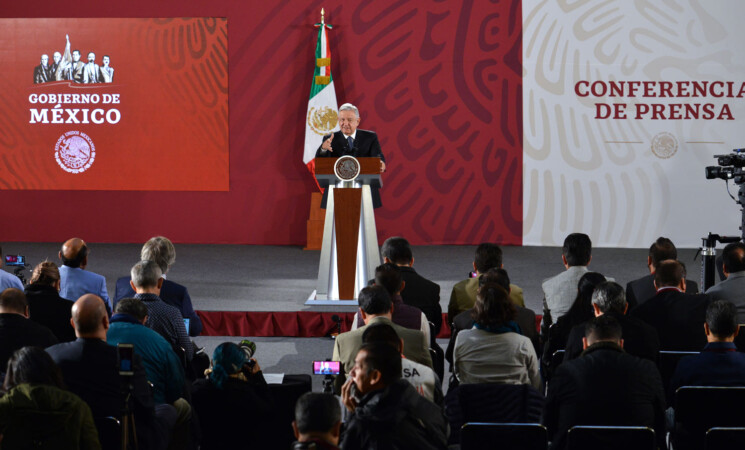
722 438
610 438
700 408
667 363
503 436
109 432
437 354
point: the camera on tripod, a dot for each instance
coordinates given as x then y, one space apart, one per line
18 262
730 167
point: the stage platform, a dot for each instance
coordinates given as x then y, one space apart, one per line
260 290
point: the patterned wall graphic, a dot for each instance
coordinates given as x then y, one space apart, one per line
627 165
440 81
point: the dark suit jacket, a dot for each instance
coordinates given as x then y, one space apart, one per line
605 386
525 318
719 364
642 289
678 317
172 293
17 331
423 294
90 370
47 308
639 339
366 145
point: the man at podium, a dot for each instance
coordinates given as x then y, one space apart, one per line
353 142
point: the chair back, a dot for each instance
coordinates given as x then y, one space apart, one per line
503 436
667 363
723 438
610 438
699 408
109 432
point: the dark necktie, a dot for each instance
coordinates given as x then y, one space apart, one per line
350 139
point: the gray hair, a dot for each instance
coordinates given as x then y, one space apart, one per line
145 274
160 250
610 297
350 107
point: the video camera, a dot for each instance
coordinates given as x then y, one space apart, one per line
19 263
730 167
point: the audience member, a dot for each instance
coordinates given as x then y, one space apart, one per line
376 307
580 312
719 363
16 329
639 338
733 288
8 280
75 281
488 256
90 369
494 351
163 318
524 317
161 250
163 368
560 290
234 396
425 380
605 386
36 400
642 289
420 292
678 317
386 411
317 423
45 306
389 276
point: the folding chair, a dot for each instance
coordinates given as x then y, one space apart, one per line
610 438
722 438
700 408
667 363
503 436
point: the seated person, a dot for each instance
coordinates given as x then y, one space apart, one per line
234 396
45 306
389 276
560 290
494 351
37 411
580 312
317 424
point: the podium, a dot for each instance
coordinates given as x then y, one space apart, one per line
349 252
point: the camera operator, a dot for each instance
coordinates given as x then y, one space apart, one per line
234 401
7 280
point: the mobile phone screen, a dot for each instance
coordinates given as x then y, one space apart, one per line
125 353
326 367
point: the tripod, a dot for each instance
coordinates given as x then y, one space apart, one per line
128 422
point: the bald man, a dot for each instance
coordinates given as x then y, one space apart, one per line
90 369
75 281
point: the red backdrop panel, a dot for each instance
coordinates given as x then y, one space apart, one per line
167 106
439 81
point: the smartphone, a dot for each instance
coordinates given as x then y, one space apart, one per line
125 353
15 260
186 324
326 367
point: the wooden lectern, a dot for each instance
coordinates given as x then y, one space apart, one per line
349 253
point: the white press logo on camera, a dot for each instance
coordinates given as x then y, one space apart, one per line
75 152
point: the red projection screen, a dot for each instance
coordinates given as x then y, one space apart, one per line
144 107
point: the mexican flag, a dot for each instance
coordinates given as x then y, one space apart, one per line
322 116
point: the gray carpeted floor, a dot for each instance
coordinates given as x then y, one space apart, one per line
273 278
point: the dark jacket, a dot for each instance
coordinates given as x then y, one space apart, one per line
718 364
16 331
172 294
639 339
605 386
678 318
403 314
314 444
642 289
395 418
423 294
366 145
557 336
236 415
47 308
90 370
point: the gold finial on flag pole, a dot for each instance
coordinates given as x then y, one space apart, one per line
322 14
